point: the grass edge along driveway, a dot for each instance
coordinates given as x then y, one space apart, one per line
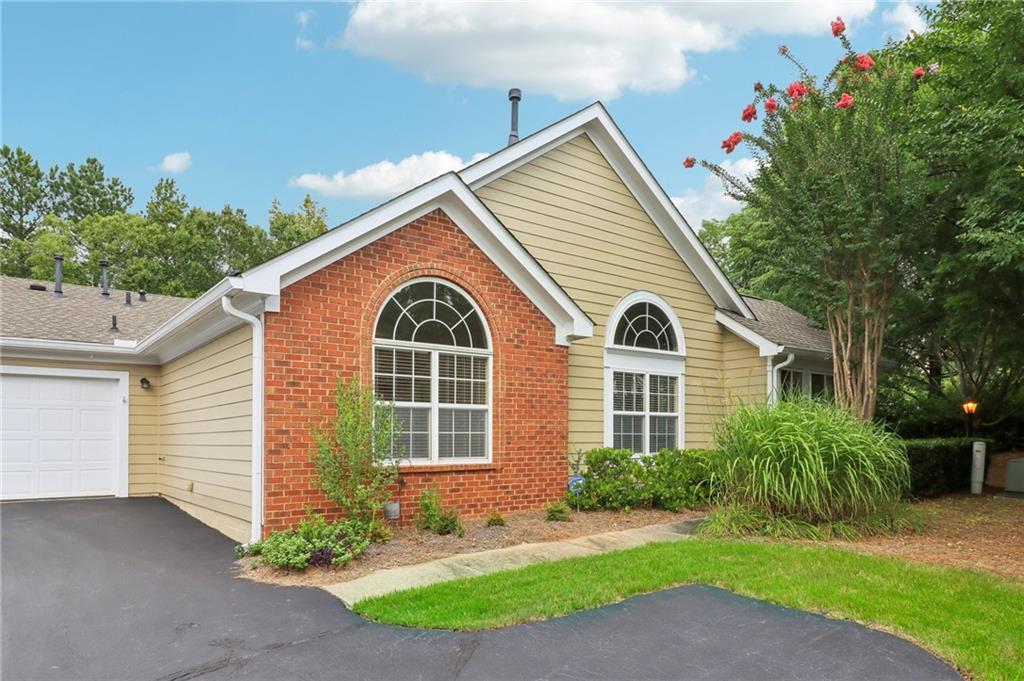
973 620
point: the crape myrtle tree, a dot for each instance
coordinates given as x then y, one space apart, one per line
845 202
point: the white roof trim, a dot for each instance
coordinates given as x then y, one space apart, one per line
596 122
765 347
450 194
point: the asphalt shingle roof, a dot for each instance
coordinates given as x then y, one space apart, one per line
783 325
82 314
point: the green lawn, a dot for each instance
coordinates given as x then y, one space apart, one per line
975 621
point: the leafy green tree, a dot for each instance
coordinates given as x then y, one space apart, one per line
288 230
737 245
167 205
77 192
23 193
847 203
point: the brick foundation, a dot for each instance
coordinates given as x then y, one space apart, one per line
324 332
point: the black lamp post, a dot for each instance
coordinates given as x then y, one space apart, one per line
970 406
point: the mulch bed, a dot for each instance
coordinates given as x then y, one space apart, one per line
983 532
410 545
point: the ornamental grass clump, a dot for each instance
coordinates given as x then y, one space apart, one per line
806 463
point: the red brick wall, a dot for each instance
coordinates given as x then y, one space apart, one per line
325 331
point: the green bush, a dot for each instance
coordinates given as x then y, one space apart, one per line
495 519
314 542
671 479
436 518
558 512
939 465
353 454
811 461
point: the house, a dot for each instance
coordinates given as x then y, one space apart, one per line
546 299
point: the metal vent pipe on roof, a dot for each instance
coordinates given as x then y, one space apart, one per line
113 323
128 298
58 275
104 279
514 96
142 295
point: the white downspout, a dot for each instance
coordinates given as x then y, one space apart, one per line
256 514
773 396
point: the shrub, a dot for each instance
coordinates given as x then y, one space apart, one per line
811 461
681 479
736 520
558 511
436 518
938 466
353 454
314 542
671 479
495 519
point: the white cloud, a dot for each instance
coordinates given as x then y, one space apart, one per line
303 17
383 179
576 50
904 19
710 202
177 162
303 43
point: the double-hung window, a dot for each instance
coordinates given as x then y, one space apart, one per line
645 411
432 359
644 368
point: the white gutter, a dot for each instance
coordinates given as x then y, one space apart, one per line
773 393
256 513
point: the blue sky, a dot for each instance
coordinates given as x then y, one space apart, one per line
244 103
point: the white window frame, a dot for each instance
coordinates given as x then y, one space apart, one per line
806 379
644 361
435 405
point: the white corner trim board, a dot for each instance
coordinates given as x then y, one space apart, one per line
256 469
120 414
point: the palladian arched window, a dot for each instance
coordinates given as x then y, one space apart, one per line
432 358
644 372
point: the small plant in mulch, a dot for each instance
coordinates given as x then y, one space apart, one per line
558 511
437 518
314 542
495 519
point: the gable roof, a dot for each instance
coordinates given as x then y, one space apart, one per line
777 327
450 194
597 123
82 314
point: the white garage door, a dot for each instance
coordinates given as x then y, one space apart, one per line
62 435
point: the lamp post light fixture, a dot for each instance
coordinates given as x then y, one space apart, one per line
970 406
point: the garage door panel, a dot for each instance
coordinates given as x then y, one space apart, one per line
96 420
56 420
17 451
56 451
96 451
56 482
15 419
61 435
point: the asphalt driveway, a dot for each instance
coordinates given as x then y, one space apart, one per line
136 589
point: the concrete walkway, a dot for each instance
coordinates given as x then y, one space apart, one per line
497 560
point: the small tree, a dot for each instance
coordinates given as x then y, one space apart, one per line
353 453
845 200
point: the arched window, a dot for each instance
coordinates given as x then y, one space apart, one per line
432 359
645 325
644 374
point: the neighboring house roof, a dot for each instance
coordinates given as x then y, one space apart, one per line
597 123
82 315
777 327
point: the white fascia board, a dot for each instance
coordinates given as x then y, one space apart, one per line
44 348
450 194
765 347
598 124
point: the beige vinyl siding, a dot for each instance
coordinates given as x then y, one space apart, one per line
744 370
143 416
577 218
205 433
